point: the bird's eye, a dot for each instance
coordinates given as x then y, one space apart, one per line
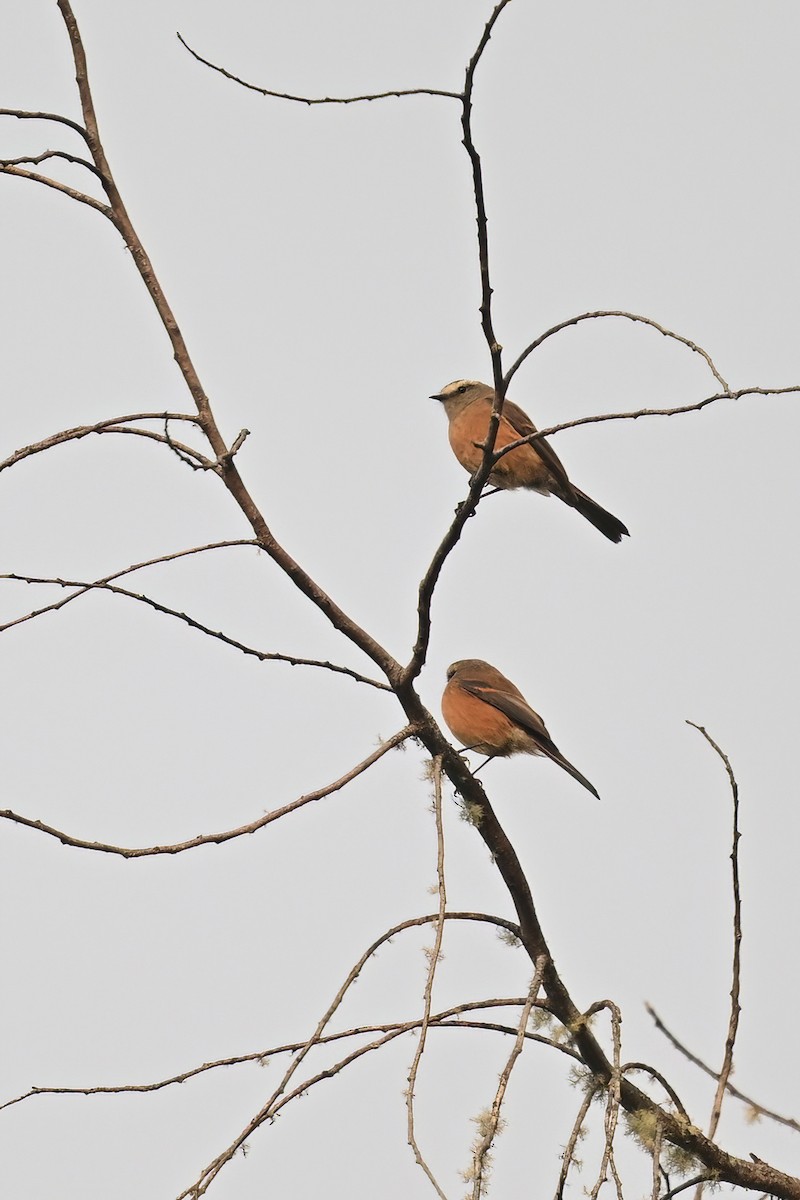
462 389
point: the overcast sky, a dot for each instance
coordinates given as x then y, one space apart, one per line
322 264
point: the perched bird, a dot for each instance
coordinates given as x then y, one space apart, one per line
487 713
468 405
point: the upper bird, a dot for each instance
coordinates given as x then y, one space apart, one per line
468 405
487 713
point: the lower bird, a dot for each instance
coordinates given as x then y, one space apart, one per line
468 405
487 713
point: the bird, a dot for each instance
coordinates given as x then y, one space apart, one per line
468 405
487 713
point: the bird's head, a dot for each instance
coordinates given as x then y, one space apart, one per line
461 392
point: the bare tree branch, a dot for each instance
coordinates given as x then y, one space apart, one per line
450 1018
635 414
206 839
668 1088
733 1023
72 193
83 587
23 115
82 431
495 349
468 507
433 962
689 1183
612 1100
490 1123
577 1132
657 1140
35 160
628 316
280 1097
228 471
195 459
252 87
759 1110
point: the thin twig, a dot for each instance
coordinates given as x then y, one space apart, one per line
229 473
656 1153
469 506
689 1183
568 1155
23 115
668 1088
207 839
280 1097
435 956
490 1123
759 1109
614 1088
450 1018
197 460
82 587
635 414
628 316
36 159
309 100
82 431
72 193
480 205
733 1022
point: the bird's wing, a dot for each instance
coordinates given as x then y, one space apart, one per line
513 706
517 709
522 425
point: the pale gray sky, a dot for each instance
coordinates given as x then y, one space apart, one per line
322 264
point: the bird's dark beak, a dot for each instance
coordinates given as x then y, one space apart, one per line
436 397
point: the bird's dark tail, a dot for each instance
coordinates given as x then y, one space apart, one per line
609 525
558 758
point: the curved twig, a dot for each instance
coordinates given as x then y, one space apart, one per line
635 414
434 959
668 1088
22 114
733 1022
228 471
469 506
82 431
207 839
72 193
280 1097
613 1089
82 587
759 1109
656 1152
689 1183
576 1133
490 1123
195 459
36 159
449 1018
309 100
628 316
